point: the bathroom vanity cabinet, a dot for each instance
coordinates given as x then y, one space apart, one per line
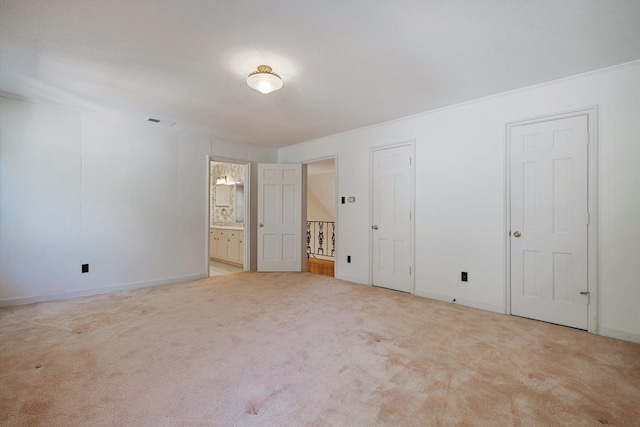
226 243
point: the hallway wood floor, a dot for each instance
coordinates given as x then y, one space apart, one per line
320 266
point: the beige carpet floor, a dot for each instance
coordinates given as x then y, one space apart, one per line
251 349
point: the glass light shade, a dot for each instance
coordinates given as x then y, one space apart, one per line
264 80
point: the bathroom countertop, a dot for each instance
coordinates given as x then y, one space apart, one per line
229 227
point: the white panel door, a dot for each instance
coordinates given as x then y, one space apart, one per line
279 217
391 229
549 221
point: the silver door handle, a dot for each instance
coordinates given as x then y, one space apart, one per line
261 225
375 227
517 234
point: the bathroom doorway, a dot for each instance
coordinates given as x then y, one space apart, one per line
228 202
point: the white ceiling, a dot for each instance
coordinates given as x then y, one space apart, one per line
345 64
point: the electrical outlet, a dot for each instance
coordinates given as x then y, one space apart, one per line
464 276
85 268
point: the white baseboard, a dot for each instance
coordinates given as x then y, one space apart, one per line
468 303
97 291
357 280
607 332
621 335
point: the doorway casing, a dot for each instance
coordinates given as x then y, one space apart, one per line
247 210
333 157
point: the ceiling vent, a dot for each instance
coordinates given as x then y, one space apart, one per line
162 122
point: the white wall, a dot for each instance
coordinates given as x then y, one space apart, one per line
321 196
460 195
127 197
315 210
40 184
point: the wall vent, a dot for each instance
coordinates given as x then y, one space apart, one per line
162 122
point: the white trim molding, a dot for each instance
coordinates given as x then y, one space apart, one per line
467 303
98 291
247 263
621 335
337 262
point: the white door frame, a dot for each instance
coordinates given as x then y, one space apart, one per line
246 265
335 195
412 204
592 206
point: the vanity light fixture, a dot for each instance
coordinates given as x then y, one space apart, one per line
223 180
264 80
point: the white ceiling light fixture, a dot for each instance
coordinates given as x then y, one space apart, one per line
264 80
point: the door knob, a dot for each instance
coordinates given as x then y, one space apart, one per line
261 225
517 234
375 227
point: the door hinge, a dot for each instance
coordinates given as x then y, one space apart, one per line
409 271
588 218
409 161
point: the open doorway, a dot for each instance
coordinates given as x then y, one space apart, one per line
228 197
321 217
